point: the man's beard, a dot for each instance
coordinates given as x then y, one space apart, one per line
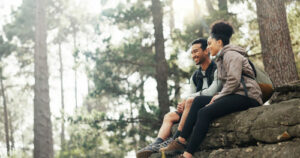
201 61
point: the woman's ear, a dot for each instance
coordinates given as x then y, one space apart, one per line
220 42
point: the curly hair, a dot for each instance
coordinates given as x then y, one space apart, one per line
222 30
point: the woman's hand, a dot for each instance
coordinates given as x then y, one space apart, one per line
212 99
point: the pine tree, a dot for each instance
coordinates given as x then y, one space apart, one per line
43 143
278 56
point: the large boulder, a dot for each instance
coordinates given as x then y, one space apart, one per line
266 131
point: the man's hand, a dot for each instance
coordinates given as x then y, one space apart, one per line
180 107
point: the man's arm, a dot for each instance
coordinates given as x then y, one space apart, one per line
215 87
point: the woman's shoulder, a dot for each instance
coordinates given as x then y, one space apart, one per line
233 55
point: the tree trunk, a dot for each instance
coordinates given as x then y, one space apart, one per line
43 143
5 114
223 6
196 10
75 67
277 53
61 70
209 7
12 140
172 21
177 86
161 66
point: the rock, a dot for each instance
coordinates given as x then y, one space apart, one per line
286 92
262 124
290 149
266 131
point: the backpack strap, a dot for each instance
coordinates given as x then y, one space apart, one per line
244 85
243 74
242 78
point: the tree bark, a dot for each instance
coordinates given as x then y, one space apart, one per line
209 7
5 115
61 70
43 143
172 20
177 86
223 6
75 67
196 10
161 66
277 53
12 140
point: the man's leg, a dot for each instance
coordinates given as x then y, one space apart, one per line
185 113
165 129
164 132
198 103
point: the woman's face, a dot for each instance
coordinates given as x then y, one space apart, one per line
214 46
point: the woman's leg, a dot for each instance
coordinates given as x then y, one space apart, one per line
198 103
221 107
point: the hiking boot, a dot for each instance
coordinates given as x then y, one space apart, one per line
166 143
175 145
148 150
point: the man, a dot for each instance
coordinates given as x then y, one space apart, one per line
203 82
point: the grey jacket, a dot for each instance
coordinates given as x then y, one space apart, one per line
231 62
215 87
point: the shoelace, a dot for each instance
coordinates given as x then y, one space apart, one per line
166 143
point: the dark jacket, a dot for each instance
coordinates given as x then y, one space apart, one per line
209 73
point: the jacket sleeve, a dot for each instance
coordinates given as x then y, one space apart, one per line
232 63
212 89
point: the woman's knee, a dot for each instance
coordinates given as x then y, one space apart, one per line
203 113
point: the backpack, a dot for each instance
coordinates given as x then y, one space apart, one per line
263 80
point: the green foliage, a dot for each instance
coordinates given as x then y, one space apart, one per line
6 48
22 26
128 16
98 135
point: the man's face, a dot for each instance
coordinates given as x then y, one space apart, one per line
198 55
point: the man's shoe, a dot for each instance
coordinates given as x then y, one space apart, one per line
175 145
166 143
148 150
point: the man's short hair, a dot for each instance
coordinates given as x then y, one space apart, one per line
201 41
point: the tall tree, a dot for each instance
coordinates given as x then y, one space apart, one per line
161 66
11 129
223 6
5 114
277 53
43 143
61 71
5 49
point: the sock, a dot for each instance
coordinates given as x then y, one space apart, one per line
176 134
158 141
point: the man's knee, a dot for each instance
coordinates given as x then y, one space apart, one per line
189 102
171 117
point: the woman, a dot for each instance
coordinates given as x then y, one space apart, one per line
240 91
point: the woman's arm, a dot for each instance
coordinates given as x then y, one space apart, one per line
233 63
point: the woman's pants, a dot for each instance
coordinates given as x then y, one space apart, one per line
200 116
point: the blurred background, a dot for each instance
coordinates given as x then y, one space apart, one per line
108 63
